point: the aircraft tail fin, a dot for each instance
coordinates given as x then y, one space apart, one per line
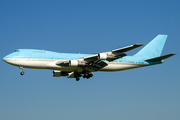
154 48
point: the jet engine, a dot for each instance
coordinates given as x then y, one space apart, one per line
76 63
73 63
110 56
57 73
104 56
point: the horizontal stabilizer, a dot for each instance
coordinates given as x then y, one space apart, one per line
160 58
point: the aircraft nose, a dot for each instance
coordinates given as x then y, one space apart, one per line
5 59
8 60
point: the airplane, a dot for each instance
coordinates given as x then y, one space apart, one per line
83 65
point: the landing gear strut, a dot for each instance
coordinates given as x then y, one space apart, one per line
21 73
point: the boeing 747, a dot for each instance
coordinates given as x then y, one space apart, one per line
83 65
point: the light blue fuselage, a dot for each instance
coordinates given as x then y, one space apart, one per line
42 59
82 65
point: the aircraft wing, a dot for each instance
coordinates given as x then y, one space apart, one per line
95 61
125 49
97 65
112 55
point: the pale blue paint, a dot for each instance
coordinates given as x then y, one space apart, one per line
44 54
151 50
89 26
154 48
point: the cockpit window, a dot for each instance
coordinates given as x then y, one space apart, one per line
16 50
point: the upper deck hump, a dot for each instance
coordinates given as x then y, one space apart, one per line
44 54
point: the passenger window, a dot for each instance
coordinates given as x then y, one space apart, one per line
16 50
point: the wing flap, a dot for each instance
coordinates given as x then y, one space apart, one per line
160 58
97 65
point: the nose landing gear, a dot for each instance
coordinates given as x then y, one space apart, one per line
21 73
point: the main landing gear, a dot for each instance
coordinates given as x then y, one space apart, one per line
22 72
77 76
86 74
77 79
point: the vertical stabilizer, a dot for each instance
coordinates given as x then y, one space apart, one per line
154 48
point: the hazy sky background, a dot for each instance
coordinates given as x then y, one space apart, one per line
81 26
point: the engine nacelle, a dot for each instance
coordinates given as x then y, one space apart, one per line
76 63
57 73
102 56
110 56
73 63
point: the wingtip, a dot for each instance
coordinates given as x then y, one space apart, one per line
173 53
139 44
163 34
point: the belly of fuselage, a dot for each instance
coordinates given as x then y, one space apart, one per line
40 64
51 65
119 66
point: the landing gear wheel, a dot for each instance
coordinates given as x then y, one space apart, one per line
90 75
22 73
87 75
77 79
